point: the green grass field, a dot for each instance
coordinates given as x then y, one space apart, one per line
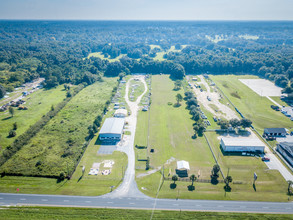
78 185
38 103
57 146
252 106
270 185
170 135
92 213
100 55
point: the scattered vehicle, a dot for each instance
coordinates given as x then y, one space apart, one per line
265 159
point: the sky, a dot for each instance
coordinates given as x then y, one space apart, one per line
147 9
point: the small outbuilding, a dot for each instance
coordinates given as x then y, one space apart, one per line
120 113
242 144
182 168
286 150
274 132
112 130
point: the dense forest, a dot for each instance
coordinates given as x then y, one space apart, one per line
58 50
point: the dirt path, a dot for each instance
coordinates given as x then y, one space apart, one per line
222 110
128 187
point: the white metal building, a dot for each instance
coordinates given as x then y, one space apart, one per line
242 144
182 165
120 113
112 129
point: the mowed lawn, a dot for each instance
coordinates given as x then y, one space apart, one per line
38 103
251 105
57 146
94 213
79 184
170 137
270 184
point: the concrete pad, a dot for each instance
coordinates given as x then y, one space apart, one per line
262 87
107 149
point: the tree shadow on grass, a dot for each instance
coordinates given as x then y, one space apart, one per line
227 188
176 105
253 185
214 180
79 179
4 119
173 186
191 188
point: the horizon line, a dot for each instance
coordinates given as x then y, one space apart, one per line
165 20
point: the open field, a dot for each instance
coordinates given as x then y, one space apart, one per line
270 185
58 145
100 55
91 213
251 105
38 103
78 185
279 101
170 134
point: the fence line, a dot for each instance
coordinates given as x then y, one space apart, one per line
197 180
214 155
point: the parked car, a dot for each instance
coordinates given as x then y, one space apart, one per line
265 159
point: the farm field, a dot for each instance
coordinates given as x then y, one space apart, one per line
170 134
92 213
57 146
252 106
38 103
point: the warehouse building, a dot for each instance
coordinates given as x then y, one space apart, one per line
286 150
112 130
242 145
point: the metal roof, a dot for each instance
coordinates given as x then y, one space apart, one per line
287 146
121 111
242 141
275 130
112 126
183 165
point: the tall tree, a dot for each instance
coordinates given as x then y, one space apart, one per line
2 91
193 178
11 111
179 98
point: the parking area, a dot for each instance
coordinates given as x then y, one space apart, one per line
262 87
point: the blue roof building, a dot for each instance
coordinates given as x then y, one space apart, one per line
112 129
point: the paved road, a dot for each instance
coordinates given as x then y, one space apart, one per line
145 203
129 187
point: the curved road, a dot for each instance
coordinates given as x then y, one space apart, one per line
127 195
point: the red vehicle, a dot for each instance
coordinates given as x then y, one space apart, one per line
265 159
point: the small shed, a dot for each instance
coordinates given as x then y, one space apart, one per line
120 113
182 168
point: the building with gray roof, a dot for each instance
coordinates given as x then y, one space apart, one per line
112 130
286 150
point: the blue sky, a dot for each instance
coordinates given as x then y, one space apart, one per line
147 9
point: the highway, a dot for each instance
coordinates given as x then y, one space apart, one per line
9 199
